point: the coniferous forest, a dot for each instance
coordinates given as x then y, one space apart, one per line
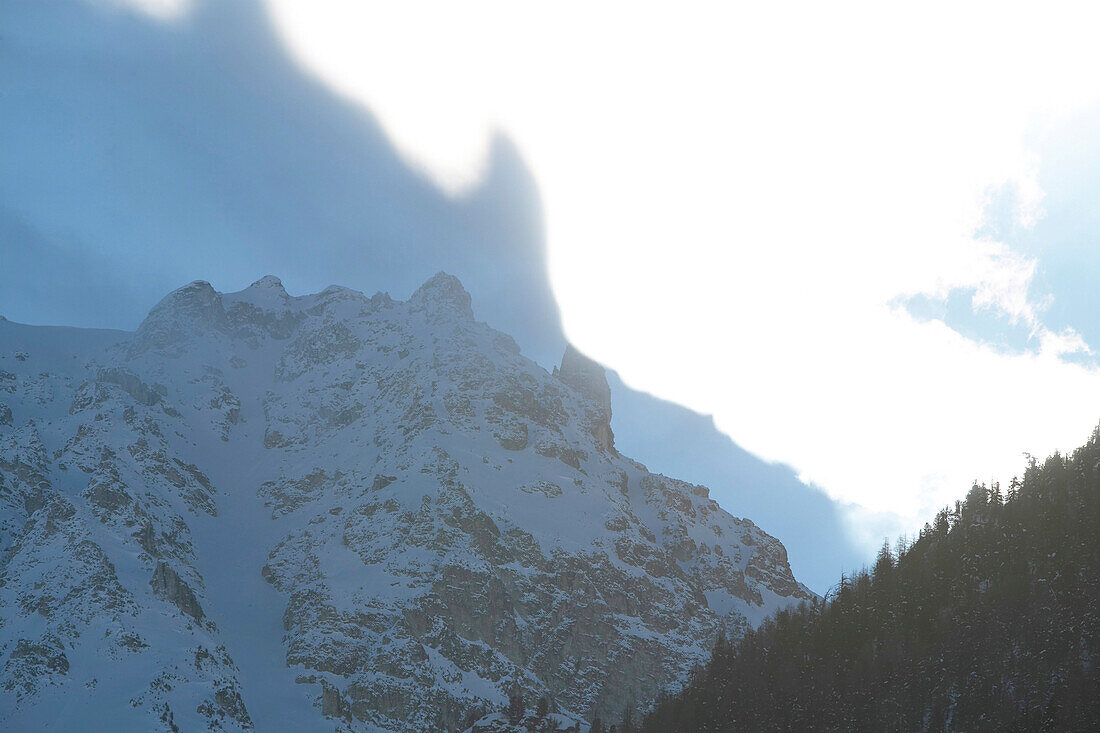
988 621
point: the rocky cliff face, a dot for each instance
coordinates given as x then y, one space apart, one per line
340 512
589 380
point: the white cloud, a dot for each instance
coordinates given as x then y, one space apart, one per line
163 10
736 193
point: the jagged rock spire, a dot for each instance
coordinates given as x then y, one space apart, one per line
588 377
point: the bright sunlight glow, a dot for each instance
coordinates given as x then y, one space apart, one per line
737 196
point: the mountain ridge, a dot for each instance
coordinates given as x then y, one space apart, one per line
335 509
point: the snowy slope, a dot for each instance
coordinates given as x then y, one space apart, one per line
335 512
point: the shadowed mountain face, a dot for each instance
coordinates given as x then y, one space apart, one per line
139 154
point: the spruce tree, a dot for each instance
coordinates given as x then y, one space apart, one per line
989 620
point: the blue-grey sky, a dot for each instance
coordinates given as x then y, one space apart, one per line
793 199
845 273
1065 240
139 155
1063 243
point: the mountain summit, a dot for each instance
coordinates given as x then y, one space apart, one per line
261 510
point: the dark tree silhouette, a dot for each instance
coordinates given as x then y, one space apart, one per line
988 620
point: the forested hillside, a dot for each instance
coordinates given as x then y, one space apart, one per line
990 620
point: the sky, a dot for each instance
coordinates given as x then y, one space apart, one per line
850 228
863 239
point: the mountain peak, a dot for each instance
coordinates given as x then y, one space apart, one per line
196 305
446 291
267 293
269 282
191 289
196 296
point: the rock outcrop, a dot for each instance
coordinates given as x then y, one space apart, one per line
590 380
335 511
169 586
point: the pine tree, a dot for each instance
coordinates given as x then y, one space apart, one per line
989 620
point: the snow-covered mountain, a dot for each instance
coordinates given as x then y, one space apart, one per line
335 512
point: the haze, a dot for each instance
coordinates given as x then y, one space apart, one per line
761 191
845 233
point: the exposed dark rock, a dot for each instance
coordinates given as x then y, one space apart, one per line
107 494
130 384
443 293
49 656
193 310
169 586
381 482
146 537
589 378
516 440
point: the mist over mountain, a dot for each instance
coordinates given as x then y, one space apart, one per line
139 154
